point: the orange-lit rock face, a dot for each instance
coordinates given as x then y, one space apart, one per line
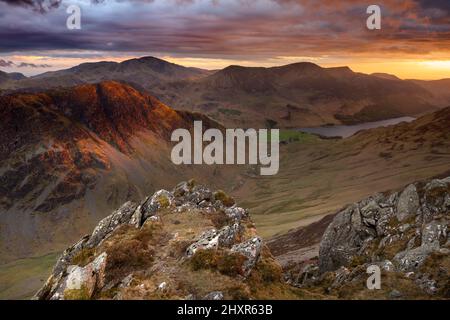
59 137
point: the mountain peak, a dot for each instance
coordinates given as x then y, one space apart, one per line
387 76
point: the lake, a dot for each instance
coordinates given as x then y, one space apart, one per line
345 131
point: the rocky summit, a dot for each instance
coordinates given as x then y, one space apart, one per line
404 233
188 243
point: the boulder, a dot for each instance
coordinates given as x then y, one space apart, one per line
251 250
81 282
214 295
408 203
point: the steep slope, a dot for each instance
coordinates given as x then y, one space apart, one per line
302 94
440 89
190 243
69 156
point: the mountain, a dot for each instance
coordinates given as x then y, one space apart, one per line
146 72
68 156
9 77
302 94
385 76
440 89
188 243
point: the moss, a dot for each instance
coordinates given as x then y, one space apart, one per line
191 184
84 256
226 200
77 294
163 201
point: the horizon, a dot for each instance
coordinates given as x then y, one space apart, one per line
248 65
413 42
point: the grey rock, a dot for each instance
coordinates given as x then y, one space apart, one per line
199 193
110 223
395 294
236 213
251 250
433 233
229 234
158 200
341 276
214 295
207 240
68 254
411 260
408 203
87 279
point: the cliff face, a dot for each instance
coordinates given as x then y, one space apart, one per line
405 233
189 243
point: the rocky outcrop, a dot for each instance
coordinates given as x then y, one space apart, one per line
404 233
419 213
164 247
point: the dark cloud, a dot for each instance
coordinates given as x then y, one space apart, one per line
8 63
225 28
41 6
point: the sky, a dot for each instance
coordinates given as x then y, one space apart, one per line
413 42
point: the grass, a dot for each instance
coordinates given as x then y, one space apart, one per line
21 279
289 135
230 112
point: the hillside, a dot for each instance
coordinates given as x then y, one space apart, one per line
6 78
319 176
303 94
69 156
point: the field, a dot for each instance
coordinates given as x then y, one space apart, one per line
21 279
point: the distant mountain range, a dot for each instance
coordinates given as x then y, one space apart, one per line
295 95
